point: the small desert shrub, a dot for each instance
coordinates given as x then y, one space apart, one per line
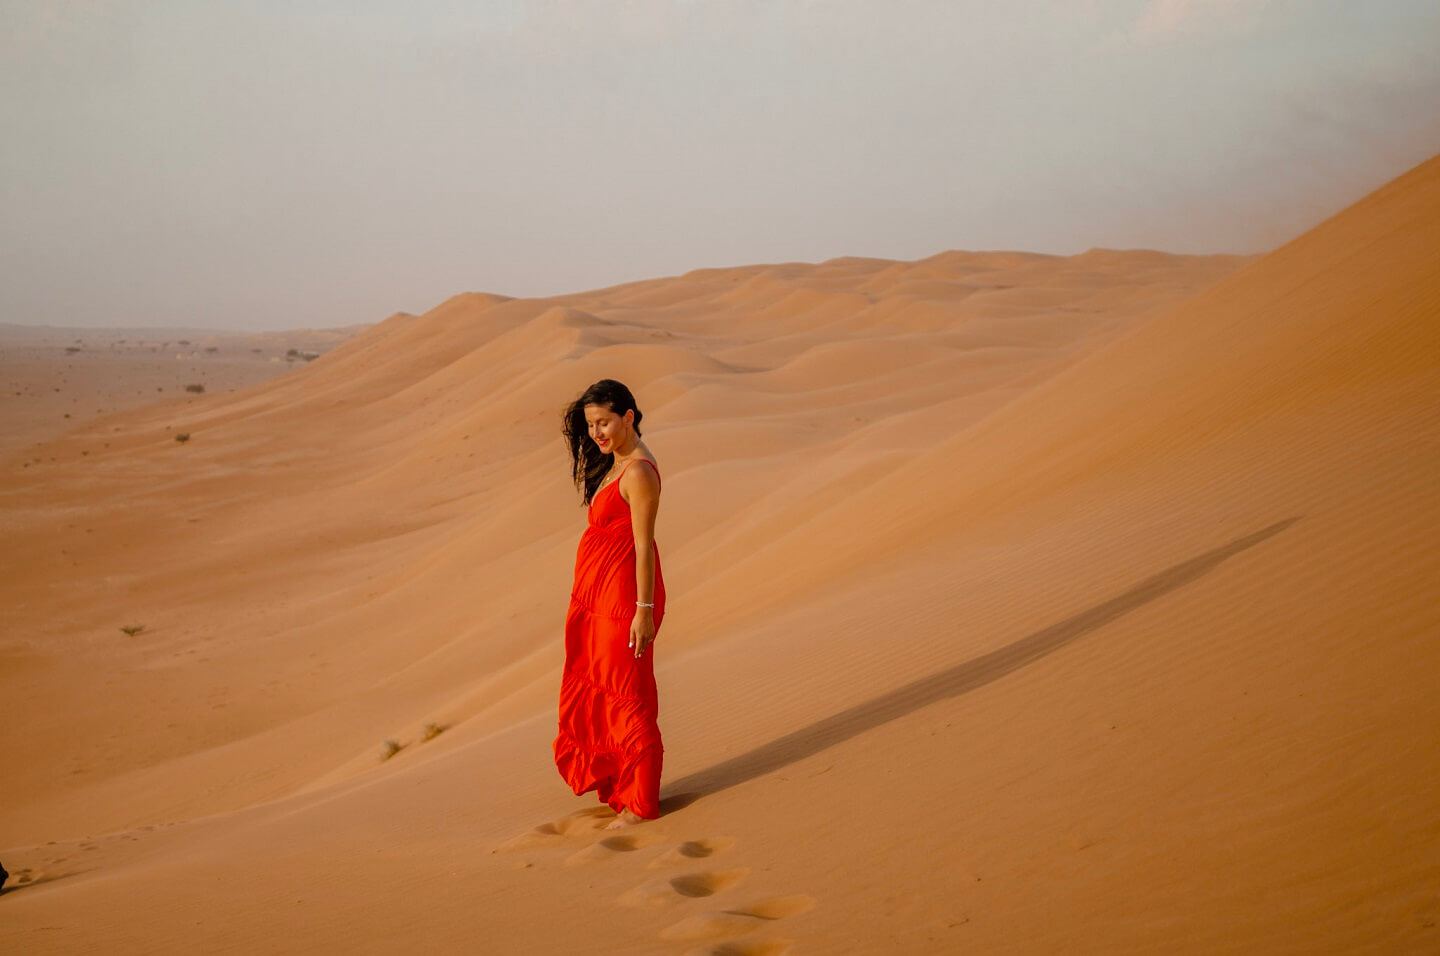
182 436
432 731
212 348
195 388
183 341
132 629
389 749
72 348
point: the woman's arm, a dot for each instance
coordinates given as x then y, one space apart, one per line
641 489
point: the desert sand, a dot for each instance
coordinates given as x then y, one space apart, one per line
55 378
1017 604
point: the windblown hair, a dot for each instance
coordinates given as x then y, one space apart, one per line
588 464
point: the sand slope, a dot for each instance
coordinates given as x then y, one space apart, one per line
1019 604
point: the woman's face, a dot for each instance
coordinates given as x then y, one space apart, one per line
606 428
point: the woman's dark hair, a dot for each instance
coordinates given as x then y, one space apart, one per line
588 464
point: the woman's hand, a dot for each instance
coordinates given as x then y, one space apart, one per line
642 629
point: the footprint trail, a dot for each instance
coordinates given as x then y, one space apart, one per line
696 893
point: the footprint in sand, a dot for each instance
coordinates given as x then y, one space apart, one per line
768 947
606 849
27 877
678 889
691 850
737 921
581 822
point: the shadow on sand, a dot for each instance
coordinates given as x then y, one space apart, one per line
951 682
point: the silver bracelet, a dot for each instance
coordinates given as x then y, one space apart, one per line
643 604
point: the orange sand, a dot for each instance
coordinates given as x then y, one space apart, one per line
1018 604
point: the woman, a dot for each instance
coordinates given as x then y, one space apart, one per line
608 738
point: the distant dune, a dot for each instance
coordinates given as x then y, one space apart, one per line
1018 603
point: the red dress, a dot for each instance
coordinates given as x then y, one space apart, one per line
608 738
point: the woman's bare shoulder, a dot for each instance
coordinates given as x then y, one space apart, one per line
635 478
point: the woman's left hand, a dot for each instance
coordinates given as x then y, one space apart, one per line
642 630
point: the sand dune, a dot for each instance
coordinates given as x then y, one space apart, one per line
1019 603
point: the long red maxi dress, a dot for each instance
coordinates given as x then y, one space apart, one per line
609 738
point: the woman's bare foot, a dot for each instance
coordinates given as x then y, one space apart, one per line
625 819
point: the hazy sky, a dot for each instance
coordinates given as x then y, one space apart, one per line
298 162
